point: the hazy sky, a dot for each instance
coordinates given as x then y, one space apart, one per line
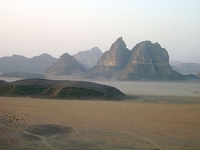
33 27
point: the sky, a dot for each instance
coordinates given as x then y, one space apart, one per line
31 28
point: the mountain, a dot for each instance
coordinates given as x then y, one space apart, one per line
145 61
111 61
40 63
88 58
115 58
17 63
12 63
187 68
66 65
59 89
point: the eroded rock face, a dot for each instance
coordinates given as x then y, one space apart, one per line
145 61
116 56
111 61
66 65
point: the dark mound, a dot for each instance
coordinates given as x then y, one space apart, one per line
43 88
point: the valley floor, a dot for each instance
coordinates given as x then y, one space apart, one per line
138 123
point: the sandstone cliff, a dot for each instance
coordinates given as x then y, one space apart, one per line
111 61
145 61
115 57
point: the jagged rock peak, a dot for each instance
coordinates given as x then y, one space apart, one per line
118 44
116 56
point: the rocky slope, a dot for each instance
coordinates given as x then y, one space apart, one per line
145 61
18 63
43 88
88 58
66 65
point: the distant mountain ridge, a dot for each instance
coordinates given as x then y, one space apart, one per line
187 68
88 58
145 61
18 63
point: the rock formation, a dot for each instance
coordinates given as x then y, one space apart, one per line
88 58
66 65
55 89
111 61
145 61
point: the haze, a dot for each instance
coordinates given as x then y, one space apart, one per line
55 27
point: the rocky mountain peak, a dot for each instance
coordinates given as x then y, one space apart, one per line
119 44
116 56
146 60
66 65
148 52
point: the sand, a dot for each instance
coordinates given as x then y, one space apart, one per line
143 122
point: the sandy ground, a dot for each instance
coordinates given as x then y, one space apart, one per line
140 123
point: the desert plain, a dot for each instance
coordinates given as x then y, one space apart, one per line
155 116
